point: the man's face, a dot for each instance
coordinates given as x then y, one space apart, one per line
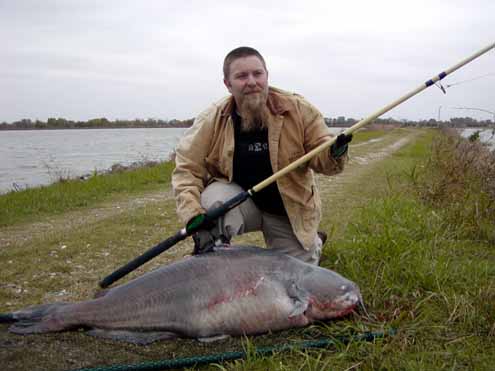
248 81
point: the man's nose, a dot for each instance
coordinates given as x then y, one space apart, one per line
251 80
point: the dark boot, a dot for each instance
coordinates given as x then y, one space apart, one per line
205 241
323 237
222 241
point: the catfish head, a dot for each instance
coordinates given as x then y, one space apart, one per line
329 295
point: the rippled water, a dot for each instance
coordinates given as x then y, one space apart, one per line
36 157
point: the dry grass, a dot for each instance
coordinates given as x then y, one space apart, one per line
460 177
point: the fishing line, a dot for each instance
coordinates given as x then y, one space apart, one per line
196 361
469 80
439 85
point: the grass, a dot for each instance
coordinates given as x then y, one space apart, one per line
70 194
460 177
423 268
419 272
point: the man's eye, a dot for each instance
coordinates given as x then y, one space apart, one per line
242 76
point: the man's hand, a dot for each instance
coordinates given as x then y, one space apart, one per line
198 222
199 226
339 148
203 242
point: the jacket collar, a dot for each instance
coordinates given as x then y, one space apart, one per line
277 104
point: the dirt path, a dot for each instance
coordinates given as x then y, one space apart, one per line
23 233
362 156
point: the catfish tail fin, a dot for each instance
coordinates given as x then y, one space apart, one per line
35 319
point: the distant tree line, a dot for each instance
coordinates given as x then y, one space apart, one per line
455 122
97 123
103 123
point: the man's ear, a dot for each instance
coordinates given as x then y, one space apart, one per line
228 85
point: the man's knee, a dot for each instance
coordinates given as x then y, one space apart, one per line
241 219
218 192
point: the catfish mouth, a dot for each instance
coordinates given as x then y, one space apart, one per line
339 307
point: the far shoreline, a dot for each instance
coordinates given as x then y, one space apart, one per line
98 128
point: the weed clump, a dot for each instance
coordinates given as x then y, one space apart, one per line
459 178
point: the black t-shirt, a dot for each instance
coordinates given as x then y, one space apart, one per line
252 165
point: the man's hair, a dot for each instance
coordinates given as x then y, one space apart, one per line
240 52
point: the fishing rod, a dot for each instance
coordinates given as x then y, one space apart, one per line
215 213
477 109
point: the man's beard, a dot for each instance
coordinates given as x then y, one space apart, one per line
253 112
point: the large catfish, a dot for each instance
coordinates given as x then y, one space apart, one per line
233 291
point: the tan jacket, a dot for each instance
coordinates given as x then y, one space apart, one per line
295 127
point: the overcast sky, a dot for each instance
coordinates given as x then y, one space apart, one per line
81 59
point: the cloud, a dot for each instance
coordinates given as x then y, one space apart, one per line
127 59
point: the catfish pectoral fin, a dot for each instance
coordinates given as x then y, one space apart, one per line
300 299
212 339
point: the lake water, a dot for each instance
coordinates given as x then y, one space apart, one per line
38 157
487 136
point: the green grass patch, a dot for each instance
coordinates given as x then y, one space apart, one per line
417 277
33 203
364 135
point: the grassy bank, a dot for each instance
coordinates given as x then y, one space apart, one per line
423 266
34 203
